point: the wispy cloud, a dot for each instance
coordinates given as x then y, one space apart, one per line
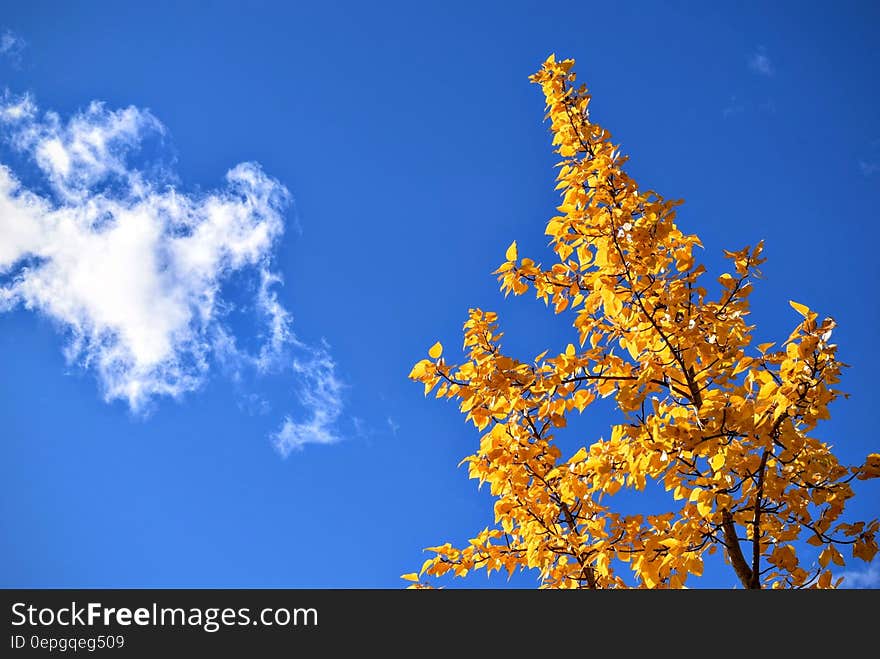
131 269
134 271
279 334
867 578
393 425
254 404
760 63
321 399
11 46
82 156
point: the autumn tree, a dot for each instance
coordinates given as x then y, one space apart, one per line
727 428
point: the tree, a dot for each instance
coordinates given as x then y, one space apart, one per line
725 427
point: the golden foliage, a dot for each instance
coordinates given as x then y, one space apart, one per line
725 427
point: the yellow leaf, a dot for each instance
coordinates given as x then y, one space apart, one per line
579 456
802 309
836 556
871 468
418 370
864 550
784 557
410 576
704 507
436 350
582 398
511 253
717 461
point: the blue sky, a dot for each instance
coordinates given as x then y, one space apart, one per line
218 395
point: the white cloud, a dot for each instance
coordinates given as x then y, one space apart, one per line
90 149
360 427
321 397
761 64
867 578
16 109
130 269
278 321
393 425
11 45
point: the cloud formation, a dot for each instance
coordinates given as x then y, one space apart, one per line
133 270
761 64
321 397
11 46
867 578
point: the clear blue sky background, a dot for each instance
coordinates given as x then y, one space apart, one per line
414 150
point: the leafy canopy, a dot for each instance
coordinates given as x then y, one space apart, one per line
724 426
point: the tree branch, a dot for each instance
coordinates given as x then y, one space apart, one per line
734 551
